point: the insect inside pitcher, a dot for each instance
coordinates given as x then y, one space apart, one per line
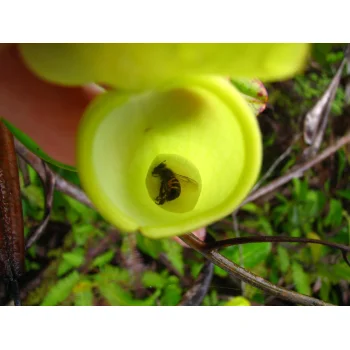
170 186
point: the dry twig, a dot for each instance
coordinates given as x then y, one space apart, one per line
316 119
61 184
298 171
195 295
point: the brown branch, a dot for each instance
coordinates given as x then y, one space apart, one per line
61 184
297 172
249 277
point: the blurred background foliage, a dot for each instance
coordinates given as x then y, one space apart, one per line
82 260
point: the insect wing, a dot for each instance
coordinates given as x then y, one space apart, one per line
185 179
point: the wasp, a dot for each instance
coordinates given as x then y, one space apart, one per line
170 187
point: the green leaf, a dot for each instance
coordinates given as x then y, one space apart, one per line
343 235
214 297
104 258
315 201
75 257
325 290
211 299
289 163
237 301
117 296
283 257
280 212
173 251
301 279
251 293
77 206
342 163
265 225
334 297
112 274
195 268
61 290
76 211
83 293
294 216
150 301
63 268
32 265
84 298
253 253
71 260
151 247
251 208
341 271
282 198
152 279
35 195
334 217
81 232
172 292
300 189
320 51
295 232
334 273
274 274
344 193
220 272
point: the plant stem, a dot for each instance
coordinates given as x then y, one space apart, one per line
249 277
